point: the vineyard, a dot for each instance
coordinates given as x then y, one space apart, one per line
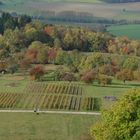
51 96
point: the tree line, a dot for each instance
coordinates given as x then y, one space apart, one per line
79 17
7 21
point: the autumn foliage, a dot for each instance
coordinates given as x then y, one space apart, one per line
52 53
67 76
89 76
125 75
37 73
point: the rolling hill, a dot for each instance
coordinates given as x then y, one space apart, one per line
104 10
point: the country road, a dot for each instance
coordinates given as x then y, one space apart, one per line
50 112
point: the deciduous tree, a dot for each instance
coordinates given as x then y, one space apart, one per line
37 73
89 76
122 121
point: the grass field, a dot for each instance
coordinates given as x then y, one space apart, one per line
132 31
18 82
16 126
13 83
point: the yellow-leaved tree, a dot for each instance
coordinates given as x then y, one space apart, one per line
122 121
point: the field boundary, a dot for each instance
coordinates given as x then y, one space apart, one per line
51 112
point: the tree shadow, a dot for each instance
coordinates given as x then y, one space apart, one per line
127 84
113 86
134 85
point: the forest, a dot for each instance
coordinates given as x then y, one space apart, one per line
85 51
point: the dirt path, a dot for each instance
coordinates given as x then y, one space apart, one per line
50 112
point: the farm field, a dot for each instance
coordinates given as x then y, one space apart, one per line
21 126
132 31
75 96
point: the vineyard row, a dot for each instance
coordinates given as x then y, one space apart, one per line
48 102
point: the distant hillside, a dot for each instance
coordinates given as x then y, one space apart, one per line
77 1
43 9
121 1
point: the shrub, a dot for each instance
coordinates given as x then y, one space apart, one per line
104 79
105 69
58 73
89 76
3 65
37 73
25 64
62 75
12 68
109 69
136 75
125 75
67 76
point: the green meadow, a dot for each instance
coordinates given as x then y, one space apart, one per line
132 30
29 126
18 82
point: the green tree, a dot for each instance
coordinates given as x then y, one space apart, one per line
60 57
135 44
93 60
122 121
13 40
37 52
104 79
131 63
23 20
68 41
42 56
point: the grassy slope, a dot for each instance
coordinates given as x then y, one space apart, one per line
23 126
12 83
116 89
132 31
